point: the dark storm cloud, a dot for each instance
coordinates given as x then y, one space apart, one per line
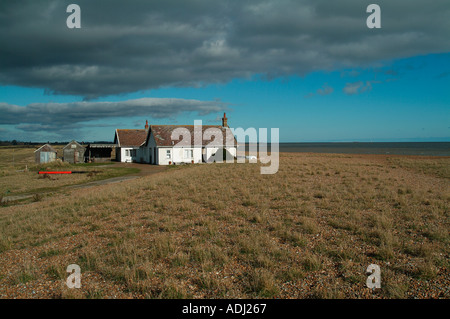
127 46
66 116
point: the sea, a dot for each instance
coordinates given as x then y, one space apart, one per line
382 148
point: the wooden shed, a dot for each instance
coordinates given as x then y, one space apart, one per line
99 152
45 154
73 153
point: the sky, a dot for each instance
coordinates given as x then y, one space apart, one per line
311 68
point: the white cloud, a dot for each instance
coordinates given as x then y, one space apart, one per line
358 87
325 90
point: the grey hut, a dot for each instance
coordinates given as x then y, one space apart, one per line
73 153
45 154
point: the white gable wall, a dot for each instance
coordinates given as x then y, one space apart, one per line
126 154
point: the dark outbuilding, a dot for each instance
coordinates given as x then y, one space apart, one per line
99 152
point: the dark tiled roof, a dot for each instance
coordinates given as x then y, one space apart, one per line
163 135
131 137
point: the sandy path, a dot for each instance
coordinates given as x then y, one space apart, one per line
144 170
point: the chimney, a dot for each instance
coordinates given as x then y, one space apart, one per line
146 125
224 120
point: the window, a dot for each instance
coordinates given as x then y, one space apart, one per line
188 153
127 152
168 154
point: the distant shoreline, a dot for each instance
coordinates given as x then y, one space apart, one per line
370 148
373 148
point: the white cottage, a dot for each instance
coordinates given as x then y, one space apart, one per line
176 144
128 143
